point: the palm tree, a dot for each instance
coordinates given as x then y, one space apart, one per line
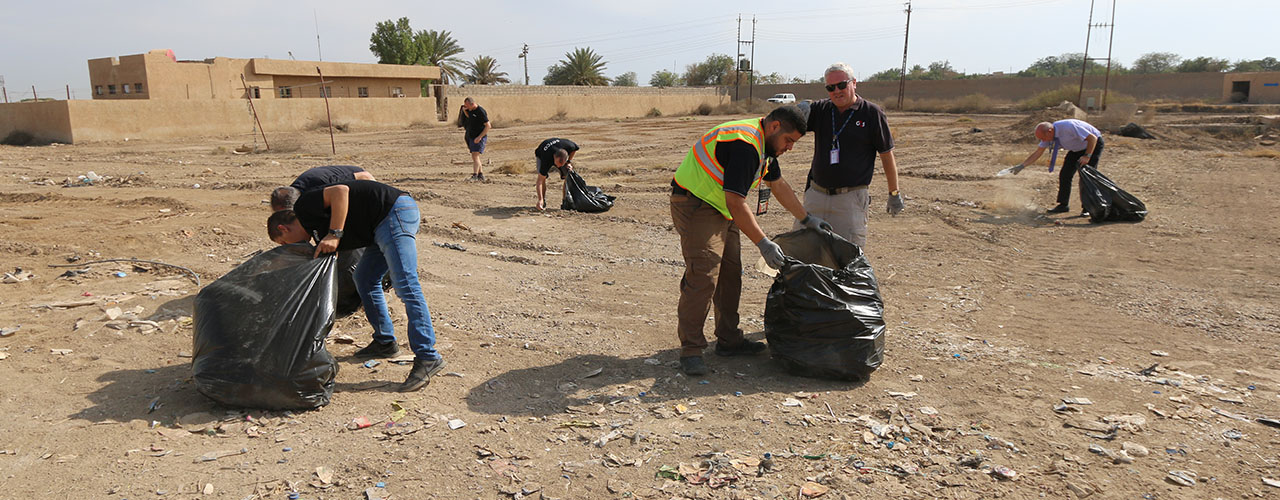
484 71
580 67
439 49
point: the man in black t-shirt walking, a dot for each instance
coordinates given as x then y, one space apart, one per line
384 221
317 177
848 133
475 120
552 153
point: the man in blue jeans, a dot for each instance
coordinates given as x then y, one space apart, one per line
384 221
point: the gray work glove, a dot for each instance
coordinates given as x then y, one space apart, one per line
815 223
895 204
771 252
1016 169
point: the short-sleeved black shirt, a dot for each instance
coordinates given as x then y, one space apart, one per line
473 121
865 134
368 204
319 177
547 150
741 164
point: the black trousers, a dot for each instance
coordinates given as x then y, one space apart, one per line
1068 173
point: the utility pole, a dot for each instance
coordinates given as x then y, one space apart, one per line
316 18
902 77
1106 81
1085 64
744 64
524 54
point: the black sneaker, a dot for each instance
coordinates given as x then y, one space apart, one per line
1084 213
480 177
421 373
746 348
377 349
472 178
693 365
1061 208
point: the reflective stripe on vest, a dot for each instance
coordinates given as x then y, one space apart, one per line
703 176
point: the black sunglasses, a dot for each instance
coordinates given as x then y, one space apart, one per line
841 85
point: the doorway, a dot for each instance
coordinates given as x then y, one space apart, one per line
1240 91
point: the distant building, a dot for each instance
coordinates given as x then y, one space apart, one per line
158 75
1253 88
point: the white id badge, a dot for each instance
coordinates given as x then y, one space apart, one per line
835 156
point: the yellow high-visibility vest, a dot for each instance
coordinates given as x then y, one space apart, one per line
703 176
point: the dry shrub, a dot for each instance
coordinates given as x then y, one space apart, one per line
654 113
1262 153
703 109
972 103
1051 98
513 167
282 146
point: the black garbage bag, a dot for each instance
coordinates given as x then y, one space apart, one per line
824 316
260 330
583 198
1134 130
348 298
1105 201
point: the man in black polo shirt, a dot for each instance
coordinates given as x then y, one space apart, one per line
317 177
552 153
475 120
848 132
384 221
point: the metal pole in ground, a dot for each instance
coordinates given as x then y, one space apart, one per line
249 96
68 91
332 145
34 97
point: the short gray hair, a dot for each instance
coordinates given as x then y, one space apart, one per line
839 67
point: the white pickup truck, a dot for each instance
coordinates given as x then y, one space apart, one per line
783 98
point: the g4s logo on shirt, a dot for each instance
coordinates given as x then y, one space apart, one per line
860 123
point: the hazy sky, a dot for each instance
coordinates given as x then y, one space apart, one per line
47 45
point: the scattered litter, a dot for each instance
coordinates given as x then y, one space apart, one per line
371 363
1264 421
928 410
1232 434
1181 477
1134 449
119 274
792 402
1228 414
1077 401
652 361
359 423
1159 353
593 373
5 332
61 352
4 355
813 490
375 493
451 246
456 424
903 395
1271 482
17 276
1004 473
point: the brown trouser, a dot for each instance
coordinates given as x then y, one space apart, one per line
712 273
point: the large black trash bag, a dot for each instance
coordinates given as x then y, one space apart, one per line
583 198
824 316
348 298
1134 130
260 331
1105 201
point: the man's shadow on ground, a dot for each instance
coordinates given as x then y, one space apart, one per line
547 390
504 212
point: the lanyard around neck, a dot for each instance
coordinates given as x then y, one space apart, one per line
835 133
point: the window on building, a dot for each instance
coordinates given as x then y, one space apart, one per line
127 88
286 92
397 92
137 88
97 90
111 89
326 91
257 92
362 91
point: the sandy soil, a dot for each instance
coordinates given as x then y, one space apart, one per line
996 314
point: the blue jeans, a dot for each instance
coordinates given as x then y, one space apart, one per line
395 250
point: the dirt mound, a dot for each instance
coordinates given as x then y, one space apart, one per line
156 201
1021 131
27 197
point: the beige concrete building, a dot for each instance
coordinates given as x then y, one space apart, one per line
1253 88
159 75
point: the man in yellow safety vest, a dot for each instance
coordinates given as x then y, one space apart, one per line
709 208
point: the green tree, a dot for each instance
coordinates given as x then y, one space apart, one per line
716 70
664 78
1203 64
890 74
582 66
771 79
628 79
393 43
1155 62
941 70
1264 64
1063 65
484 71
439 49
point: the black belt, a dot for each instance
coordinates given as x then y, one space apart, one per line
679 191
834 191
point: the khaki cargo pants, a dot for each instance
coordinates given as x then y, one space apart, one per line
712 252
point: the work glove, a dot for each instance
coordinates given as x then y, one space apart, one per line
771 252
1016 168
815 223
805 106
895 204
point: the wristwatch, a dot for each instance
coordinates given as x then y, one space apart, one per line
337 233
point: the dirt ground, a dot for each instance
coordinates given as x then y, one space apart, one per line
559 329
